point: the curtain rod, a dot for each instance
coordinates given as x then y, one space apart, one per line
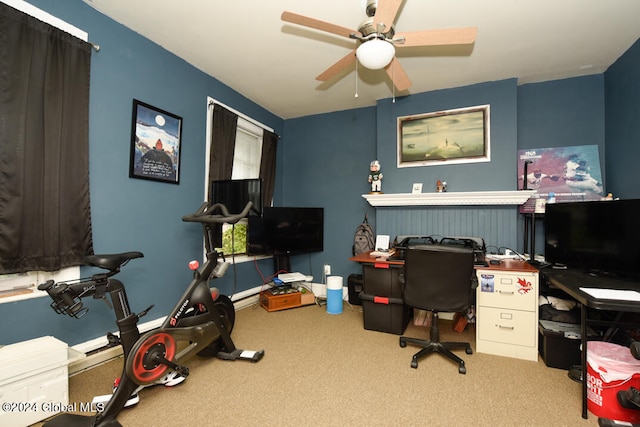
244 116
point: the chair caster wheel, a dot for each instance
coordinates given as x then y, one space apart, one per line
468 350
403 344
462 369
414 364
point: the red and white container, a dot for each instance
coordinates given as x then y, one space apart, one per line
611 368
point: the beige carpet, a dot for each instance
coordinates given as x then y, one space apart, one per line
322 369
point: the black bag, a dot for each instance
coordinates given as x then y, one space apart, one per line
364 238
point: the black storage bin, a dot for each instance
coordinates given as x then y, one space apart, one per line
354 284
383 308
559 344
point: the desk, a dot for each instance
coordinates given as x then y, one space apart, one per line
570 281
507 320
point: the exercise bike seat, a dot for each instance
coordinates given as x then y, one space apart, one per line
111 261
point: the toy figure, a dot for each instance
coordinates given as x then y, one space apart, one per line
375 176
441 186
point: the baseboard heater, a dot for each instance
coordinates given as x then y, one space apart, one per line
97 351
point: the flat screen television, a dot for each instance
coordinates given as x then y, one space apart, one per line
597 236
284 231
235 193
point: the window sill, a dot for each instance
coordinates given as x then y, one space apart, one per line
239 259
23 286
33 293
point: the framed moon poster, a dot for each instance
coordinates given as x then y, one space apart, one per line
155 144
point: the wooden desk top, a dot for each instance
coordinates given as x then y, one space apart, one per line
366 258
505 265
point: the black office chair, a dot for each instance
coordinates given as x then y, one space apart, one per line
438 279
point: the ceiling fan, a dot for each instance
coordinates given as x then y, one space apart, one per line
377 40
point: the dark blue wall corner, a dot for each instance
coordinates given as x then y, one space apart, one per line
326 164
622 106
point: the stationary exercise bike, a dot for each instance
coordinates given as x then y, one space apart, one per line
200 323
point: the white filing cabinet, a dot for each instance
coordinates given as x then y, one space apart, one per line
507 310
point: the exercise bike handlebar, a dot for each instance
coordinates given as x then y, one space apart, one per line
216 214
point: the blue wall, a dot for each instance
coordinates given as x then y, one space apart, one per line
622 103
323 161
326 164
132 214
498 174
561 113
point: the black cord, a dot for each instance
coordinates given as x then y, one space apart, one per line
493 253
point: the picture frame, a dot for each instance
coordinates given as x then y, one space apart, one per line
416 188
156 139
444 137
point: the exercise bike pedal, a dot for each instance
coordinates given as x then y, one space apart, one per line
237 354
171 379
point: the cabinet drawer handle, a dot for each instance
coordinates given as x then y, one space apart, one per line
505 292
505 327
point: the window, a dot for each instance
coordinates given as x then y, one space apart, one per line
246 146
248 151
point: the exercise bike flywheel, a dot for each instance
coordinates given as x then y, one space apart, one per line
146 366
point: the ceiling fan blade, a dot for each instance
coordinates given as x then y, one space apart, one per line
343 63
305 21
398 75
438 37
386 12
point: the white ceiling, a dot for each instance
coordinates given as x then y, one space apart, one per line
245 45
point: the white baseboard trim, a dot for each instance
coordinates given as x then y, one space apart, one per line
240 300
89 362
247 298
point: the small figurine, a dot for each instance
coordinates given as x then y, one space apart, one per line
441 186
375 176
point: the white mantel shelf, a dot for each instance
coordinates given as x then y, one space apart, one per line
469 198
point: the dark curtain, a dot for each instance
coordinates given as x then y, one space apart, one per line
222 144
268 166
45 218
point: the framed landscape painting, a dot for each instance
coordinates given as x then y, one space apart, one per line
444 137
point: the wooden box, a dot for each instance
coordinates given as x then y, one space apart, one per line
280 302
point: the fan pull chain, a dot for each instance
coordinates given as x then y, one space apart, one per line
393 84
356 95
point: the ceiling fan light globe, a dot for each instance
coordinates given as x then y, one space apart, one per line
375 54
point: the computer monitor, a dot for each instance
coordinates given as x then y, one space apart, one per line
599 236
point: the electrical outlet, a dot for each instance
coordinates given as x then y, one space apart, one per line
327 269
